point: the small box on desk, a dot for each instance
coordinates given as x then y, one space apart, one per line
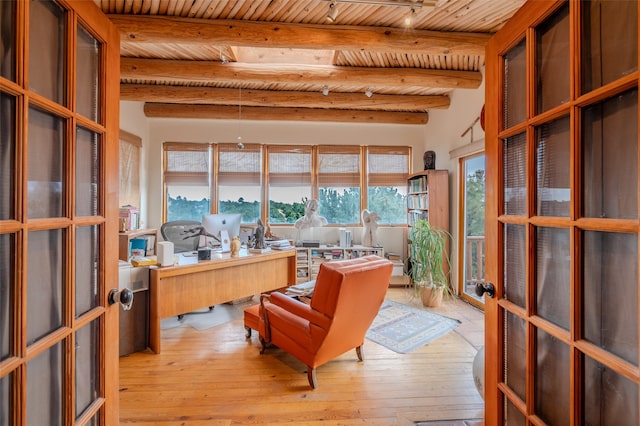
204 254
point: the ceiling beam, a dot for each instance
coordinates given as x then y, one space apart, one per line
288 99
164 29
217 112
175 71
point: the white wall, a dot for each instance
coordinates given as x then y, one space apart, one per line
440 134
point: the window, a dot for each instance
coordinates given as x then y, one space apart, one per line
387 169
186 180
289 182
339 183
239 180
274 182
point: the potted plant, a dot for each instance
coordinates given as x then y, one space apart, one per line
430 263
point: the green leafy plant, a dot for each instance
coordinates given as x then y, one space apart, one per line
430 264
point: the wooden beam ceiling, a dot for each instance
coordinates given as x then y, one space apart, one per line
164 29
282 114
288 99
175 79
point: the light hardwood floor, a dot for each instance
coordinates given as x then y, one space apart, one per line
217 377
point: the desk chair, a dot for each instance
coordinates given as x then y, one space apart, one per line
185 236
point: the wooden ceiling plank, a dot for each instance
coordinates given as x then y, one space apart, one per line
208 71
164 29
289 99
217 112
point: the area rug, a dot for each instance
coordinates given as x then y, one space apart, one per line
403 328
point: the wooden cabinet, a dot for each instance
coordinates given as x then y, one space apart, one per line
125 240
309 259
428 198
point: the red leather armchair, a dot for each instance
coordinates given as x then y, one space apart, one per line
346 299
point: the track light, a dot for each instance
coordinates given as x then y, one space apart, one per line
368 92
333 12
325 90
408 20
224 59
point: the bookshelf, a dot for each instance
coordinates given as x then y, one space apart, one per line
309 259
124 242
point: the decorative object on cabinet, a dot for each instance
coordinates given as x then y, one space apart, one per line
370 228
427 201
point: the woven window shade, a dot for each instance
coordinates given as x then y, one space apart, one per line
289 166
239 167
338 166
186 164
388 166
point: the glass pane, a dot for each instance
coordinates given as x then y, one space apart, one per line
515 86
610 158
514 264
46 162
610 283
474 192
610 41
340 205
5 394
7 153
8 40
552 168
552 375
243 199
515 182
552 60
609 398
513 416
47 50
87 366
389 202
7 282
87 172
515 362
44 283
187 202
286 203
44 388
553 275
87 268
88 67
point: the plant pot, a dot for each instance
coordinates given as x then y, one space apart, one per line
432 296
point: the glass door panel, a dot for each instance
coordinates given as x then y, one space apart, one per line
47 47
45 388
473 181
515 107
7 154
610 292
610 158
553 60
46 164
552 379
87 365
609 48
87 268
553 275
553 161
87 70
7 40
87 172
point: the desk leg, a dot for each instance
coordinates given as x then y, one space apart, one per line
154 320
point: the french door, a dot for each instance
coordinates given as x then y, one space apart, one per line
59 97
562 224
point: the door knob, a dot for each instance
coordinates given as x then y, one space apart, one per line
482 288
124 297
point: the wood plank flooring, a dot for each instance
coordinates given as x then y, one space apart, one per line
217 377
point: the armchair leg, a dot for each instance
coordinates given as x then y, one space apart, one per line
360 353
264 343
247 333
311 376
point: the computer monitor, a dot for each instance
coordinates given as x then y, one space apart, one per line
214 223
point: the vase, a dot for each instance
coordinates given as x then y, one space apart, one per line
432 296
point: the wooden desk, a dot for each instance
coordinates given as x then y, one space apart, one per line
179 289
